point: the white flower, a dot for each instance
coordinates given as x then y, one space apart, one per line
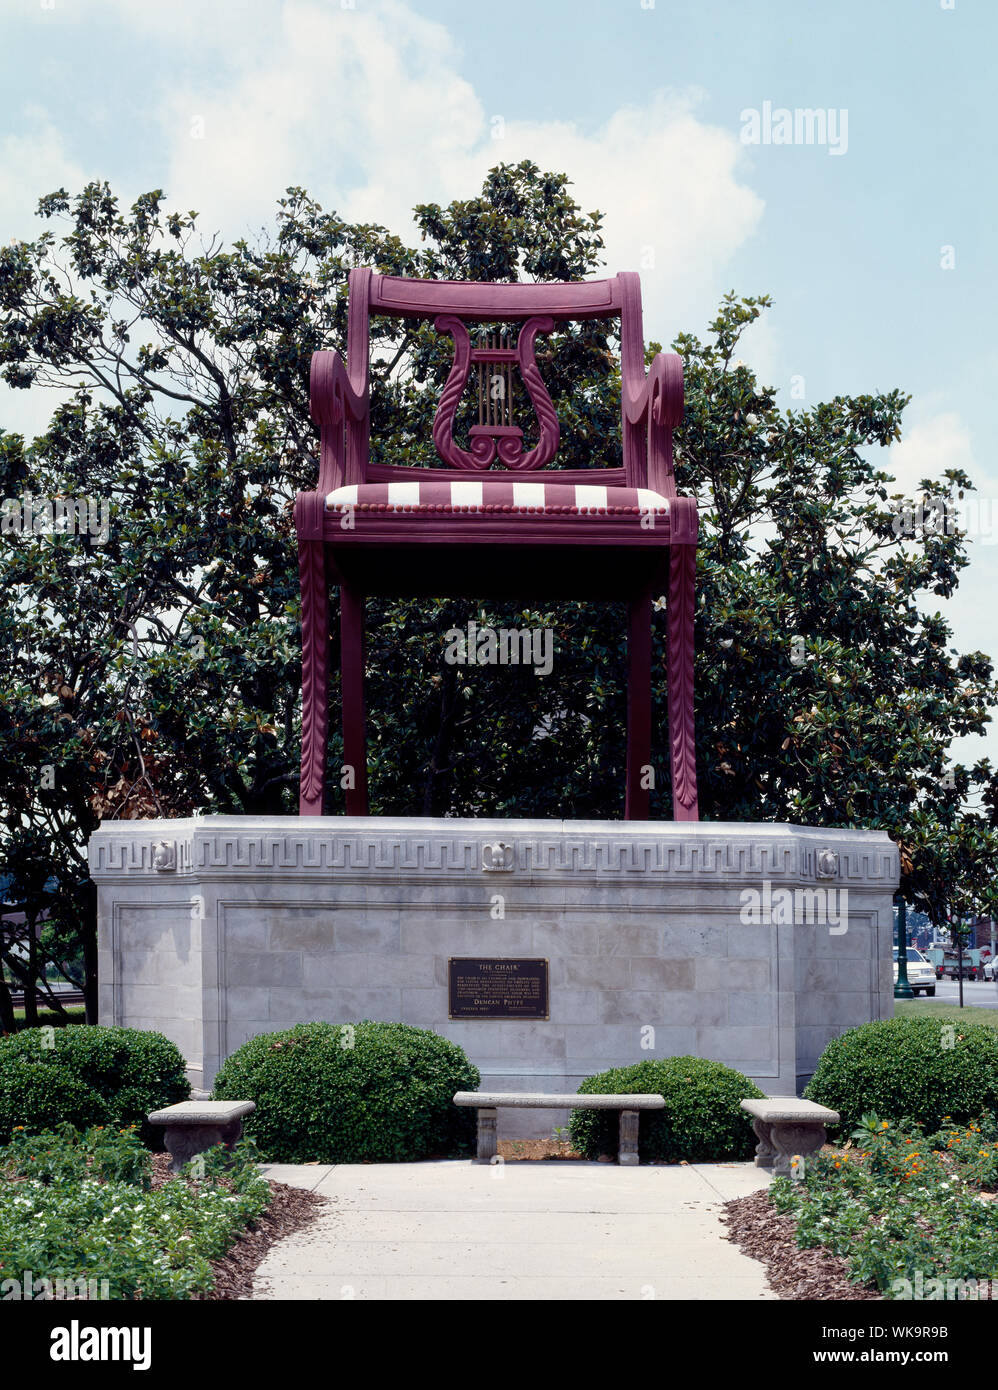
751 419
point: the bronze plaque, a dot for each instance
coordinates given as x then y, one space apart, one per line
490 987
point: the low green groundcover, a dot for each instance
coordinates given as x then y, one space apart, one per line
78 1207
87 1076
346 1093
702 1121
904 1208
920 1068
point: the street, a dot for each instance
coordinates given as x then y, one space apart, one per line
983 994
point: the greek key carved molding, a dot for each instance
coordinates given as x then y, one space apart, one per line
676 851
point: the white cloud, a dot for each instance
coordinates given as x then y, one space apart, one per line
668 185
933 444
32 163
369 111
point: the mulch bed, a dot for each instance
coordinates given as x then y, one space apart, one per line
290 1209
523 1150
763 1234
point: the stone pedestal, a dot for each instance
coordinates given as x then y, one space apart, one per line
789 1130
661 938
193 1127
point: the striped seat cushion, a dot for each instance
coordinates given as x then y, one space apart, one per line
497 496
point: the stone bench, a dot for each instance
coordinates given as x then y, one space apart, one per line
488 1102
787 1128
194 1126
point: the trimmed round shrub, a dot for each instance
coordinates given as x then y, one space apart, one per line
346 1093
36 1097
129 1070
702 1121
909 1068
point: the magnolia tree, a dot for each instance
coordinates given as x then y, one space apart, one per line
148 576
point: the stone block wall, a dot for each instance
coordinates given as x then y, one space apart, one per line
215 929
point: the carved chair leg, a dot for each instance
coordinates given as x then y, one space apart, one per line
314 675
682 573
352 684
636 796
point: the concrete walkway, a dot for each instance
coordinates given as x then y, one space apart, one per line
544 1230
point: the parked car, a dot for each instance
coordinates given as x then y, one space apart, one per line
921 972
991 969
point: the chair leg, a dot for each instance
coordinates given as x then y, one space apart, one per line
679 672
352 677
637 791
314 675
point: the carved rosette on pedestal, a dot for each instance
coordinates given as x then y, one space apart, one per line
497 858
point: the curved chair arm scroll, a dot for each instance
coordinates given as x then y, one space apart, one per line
337 402
657 404
662 389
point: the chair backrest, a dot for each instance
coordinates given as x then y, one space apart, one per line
452 306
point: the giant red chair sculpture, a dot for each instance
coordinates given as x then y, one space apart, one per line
519 530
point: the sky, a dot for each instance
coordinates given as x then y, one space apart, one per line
875 238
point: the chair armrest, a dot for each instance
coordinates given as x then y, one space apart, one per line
340 406
662 389
652 408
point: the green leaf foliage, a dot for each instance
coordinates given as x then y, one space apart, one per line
920 1069
702 1121
36 1097
110 1076
908 1211
83 1212
350 1093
